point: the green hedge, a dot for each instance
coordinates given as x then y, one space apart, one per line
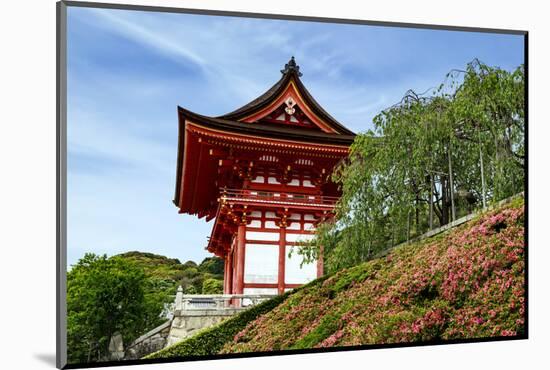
211 340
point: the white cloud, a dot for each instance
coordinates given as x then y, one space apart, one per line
160 41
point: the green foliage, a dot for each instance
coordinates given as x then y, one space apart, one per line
161 277
355 275
191 290
190 272
211 340
104 296
397 182
212 265
155 277
189 264
212 286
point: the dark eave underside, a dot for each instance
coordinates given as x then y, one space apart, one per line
266 130
255 129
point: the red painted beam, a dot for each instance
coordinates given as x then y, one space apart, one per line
226 275
234 270
240 258
282 252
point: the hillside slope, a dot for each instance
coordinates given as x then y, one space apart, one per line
467 283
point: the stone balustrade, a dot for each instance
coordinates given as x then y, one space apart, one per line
188 314
217 302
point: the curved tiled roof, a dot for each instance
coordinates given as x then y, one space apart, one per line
291 72
231 123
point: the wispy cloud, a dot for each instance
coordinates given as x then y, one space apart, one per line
160 40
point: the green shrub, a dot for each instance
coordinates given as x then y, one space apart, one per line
213 265
212 286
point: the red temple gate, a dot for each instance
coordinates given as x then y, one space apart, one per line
263 172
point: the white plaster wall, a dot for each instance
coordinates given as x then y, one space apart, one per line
261 263
260 235
255 223
294 274
260 291
294 182
294 226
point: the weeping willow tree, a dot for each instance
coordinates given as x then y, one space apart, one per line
430 159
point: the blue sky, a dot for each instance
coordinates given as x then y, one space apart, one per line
128 71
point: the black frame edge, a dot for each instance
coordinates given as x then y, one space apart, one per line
61 184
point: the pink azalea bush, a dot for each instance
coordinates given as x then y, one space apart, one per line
467 283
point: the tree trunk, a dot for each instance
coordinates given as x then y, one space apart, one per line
482 171
451 185
444 202
430 198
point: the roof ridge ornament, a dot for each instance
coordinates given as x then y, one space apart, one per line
291 66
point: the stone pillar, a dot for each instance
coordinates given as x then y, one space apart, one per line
179 301
241 232
282 253
116 347
320 263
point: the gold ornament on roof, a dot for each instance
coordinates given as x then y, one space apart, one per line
290 103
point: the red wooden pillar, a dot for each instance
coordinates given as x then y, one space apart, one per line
234 270
320 263
282 252
227 274
230 273
241 230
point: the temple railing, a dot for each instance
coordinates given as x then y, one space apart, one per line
216 302
270 197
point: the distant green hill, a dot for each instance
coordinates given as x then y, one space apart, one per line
465 283
170 272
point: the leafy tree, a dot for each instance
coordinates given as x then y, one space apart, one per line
104 296
191 290
189 264
127 293
212 286
429 159
212 265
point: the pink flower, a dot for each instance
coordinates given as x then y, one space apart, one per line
508 333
